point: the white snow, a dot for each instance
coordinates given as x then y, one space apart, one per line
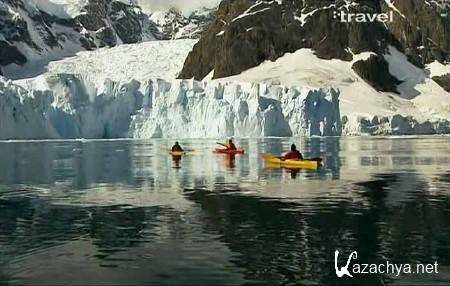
304 16
402 69
357 98
64 9
246 14
142 61
438 69
159 18
303 68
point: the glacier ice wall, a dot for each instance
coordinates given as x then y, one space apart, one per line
24 114
70 106
203 109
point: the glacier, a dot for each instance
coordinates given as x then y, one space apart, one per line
71 106
192 109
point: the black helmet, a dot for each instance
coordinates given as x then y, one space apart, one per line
293 147
176 143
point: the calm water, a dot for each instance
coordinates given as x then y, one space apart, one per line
123 212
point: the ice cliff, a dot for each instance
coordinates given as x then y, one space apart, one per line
72 107
69 108
63 105
202 109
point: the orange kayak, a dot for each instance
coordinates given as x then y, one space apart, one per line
229 152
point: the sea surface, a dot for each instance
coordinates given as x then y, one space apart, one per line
124 212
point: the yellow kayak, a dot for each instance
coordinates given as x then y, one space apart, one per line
273 161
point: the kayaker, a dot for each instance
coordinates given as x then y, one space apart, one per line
294 154
230 146
177 147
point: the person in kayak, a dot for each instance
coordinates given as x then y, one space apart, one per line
230 146
294 154
177 147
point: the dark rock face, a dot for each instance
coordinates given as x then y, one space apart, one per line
443 81
126 22
375 71
422 32
13 28
108 18
247 32
106 37
10 54
201 61
95 15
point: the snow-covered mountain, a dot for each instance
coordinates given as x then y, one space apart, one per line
245 33
173 24
267 68
35 32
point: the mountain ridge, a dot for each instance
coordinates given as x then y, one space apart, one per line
31 36
246 33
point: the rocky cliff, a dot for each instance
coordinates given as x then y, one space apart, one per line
246 33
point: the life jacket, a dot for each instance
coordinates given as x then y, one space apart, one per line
177 148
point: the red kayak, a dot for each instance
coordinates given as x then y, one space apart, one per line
227 151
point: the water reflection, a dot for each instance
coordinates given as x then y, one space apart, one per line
117 212
176 161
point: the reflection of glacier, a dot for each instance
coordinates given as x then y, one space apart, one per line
71 107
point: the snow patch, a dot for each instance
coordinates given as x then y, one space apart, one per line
438 69
402 69
64 9
155 59
358 100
